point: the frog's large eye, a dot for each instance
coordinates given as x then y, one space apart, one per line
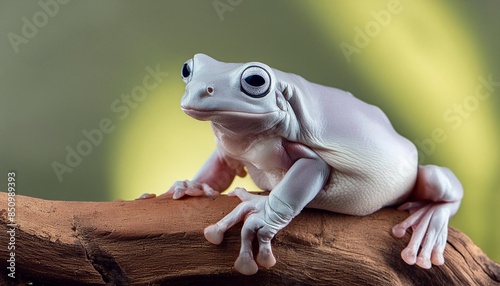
255 81
187 70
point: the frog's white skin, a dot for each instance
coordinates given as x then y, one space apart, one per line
311 146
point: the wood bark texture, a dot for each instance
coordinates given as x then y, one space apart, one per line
160 242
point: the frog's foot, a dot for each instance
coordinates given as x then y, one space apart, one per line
259 223
437 196
429 222
194 189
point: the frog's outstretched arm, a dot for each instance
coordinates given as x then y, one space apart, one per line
265 216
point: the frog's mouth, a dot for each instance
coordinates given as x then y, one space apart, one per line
194 112
225 115
238 122
205 114
200 114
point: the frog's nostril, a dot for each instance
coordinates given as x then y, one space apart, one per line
210 90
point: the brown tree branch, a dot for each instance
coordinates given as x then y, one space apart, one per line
160 242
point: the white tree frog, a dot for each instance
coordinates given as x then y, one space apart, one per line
310 146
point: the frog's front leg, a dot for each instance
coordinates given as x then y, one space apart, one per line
436 197
265 215
214 177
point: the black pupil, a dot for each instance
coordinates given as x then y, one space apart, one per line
186 70
255 80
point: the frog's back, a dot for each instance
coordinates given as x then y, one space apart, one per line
372 165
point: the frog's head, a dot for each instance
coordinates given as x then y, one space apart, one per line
239 97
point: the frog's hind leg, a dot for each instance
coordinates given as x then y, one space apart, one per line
435 198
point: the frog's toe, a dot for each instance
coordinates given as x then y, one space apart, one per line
409 255
245 264
197 190
437 257
181 188
441 227
254 227
424 261
215 232
146 196
178 189
266 258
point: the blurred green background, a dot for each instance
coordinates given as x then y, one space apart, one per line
67 67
